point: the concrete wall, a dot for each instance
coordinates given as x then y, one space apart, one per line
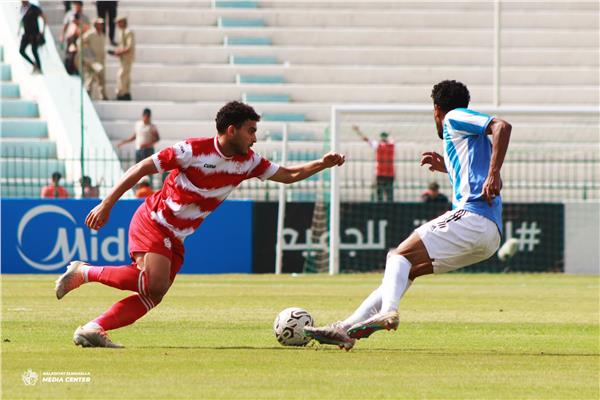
582 238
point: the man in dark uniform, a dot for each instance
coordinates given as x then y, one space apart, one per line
31 33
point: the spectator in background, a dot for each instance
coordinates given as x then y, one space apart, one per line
54 190
384 170
143 190
31 33
145 135
75 23
75 14
73 44
433 195
89 191
107 10
94 43
126 53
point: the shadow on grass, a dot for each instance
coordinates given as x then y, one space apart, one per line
436 352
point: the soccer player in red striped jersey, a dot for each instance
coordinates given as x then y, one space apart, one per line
203 173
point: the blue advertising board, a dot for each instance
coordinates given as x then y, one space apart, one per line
43 236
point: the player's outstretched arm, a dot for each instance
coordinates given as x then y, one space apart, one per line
303 171
500 131
99 214
434 160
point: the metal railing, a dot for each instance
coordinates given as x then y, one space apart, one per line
527 177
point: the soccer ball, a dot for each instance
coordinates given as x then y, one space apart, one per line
289 326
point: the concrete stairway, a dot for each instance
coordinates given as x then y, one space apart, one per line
28 156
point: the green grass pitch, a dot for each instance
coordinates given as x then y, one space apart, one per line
461 336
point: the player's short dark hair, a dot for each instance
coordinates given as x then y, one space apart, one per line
56 176
79 3
147 111
449 95
235 113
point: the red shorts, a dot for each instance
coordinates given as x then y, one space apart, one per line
147 236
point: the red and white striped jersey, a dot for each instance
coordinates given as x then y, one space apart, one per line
201 178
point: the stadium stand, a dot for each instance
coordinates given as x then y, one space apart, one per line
293 60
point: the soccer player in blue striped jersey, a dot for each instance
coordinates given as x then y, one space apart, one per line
468 234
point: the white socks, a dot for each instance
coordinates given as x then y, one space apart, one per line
369 307
387 296
395 282
84 270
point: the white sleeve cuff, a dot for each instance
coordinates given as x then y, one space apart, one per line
157 163
269 172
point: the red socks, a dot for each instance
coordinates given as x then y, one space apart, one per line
126 277
124 312
130 309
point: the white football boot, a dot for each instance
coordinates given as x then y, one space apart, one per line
333 334
93 338
379 321
70 280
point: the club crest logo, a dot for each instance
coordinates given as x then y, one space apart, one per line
30 377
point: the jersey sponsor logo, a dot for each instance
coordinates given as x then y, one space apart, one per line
209 166
70 241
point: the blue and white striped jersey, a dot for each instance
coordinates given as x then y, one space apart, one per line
467 155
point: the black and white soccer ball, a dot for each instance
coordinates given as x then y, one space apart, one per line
289 326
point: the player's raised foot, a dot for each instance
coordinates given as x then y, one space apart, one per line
70 280
377 322
93 338
333 334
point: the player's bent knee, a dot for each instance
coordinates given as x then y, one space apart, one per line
157 290
420 270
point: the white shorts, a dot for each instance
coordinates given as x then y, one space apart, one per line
459 238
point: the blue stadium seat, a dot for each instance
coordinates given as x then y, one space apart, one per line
28 168
5 74
267 79
265 98
28 149
9 90
294 136
236 4
296 155
284 117
247 41
305 196
18 109
224 22
262 60
23 128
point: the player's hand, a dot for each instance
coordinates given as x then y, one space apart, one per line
492 187
98 217
332 159
434 160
